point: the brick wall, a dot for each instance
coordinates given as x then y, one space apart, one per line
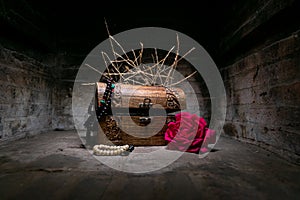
66 67
263 93
25 100
196 87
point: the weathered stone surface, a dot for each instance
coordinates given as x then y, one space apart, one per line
263 91
25 96
53 166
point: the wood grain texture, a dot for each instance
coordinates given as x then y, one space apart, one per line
122 130
130 96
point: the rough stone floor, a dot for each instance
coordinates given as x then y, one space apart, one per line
54 166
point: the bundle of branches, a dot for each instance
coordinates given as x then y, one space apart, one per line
136 69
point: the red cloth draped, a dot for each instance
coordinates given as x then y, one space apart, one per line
189 133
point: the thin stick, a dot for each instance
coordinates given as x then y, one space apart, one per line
127 68
163 61
182 79
176 57
112 63
110 41
156 65
134 73
148 76
157 70
135 81
95 69
106 65
192 49
112 46
139 70
87 83
120 48
117 74
156 55
174 64
143 76
153 59
128 61
162 64
135 58
166 83
141 52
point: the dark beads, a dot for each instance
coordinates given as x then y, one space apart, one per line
104 103
131 148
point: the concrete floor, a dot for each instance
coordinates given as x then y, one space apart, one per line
54 166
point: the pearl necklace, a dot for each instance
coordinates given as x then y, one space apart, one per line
107 150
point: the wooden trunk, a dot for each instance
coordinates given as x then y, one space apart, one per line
129 121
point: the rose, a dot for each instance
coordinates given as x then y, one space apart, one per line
189 133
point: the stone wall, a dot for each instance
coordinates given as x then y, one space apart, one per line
66 67
199 89
25 100
260 65
36 94
263 93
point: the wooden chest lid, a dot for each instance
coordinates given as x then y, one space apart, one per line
133 96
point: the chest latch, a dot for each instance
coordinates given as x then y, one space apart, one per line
146 104
144 108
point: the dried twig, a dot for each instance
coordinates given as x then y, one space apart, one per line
174 64
95 69
183 79
162 62
121 50
110 40
140 73
112 63
141 52
135 57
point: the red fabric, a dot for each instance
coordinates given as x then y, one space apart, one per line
189 133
